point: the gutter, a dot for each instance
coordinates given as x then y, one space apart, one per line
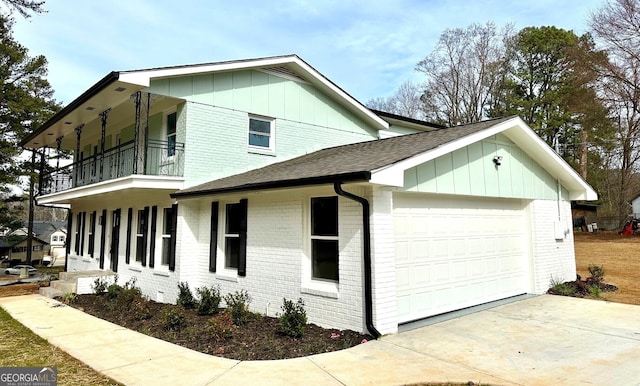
368 292
278 184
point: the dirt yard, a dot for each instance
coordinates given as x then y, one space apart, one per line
620 258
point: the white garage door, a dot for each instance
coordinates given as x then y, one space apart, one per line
453 252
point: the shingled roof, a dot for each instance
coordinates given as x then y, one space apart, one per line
348 163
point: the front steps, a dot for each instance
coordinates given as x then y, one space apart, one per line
68 282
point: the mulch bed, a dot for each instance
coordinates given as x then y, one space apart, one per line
259 339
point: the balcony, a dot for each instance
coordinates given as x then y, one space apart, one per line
158 158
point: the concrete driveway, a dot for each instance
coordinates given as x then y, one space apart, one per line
544 340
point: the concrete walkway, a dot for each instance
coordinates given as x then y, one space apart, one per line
538 341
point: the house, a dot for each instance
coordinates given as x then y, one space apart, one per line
14 249
264 175
54 232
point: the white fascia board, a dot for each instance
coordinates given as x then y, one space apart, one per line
381 123
520 133
118 184
143 78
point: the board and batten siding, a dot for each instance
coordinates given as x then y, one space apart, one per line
471 171
261 93
216 135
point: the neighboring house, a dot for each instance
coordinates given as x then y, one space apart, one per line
14 249
635 205
55 232
264 175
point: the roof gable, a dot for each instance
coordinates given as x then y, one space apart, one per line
116 88
384 161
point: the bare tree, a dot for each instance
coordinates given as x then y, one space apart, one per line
406 101
616 27
24 6
463 73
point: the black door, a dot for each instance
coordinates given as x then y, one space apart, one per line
115 240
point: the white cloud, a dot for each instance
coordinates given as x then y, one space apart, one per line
367 47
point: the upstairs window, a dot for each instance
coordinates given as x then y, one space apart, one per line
261 133
324 238
171 134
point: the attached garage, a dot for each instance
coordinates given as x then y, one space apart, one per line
455 252
427 223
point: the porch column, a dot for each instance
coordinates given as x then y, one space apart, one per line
58 147
78 167
41 174
136 132
141 133
103 119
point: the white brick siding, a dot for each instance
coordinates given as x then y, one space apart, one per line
552 258
383 260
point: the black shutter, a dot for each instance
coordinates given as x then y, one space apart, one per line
242 256
213 243
145 235
83 215
103 236
127 257
172 247
67 239
152 246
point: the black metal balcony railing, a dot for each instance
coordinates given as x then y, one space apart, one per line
161 158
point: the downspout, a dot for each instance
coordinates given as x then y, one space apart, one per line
366 227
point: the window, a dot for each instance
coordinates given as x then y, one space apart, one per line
324 238
37 248
140 235
54 239
261 133
232 235
167 220
61 239
171 134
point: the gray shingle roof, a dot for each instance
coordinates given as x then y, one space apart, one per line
353 162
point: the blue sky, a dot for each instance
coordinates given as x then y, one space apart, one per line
367 47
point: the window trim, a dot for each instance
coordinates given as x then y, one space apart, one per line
312 237
221 262
272 134
165 131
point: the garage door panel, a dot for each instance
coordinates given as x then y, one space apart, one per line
456 253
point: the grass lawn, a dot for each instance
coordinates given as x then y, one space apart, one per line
20 347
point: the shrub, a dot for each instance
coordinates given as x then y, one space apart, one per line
209 300
100 285
558 287
221 326
238 306
185 297
293 319
597 274
595 291
68 298
173 319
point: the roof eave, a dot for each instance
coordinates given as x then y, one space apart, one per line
361 176
103 83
